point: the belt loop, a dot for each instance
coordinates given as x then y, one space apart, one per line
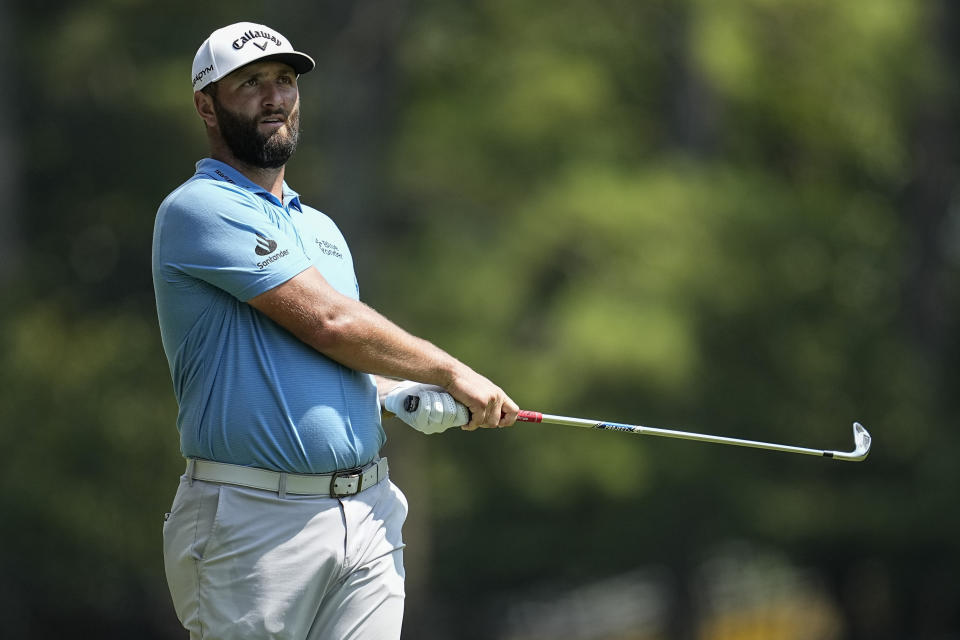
282 492
191 466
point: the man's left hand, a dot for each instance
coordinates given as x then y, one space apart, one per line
425 407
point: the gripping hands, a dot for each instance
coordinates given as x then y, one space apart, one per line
426 407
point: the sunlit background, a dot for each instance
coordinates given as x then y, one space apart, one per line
736 217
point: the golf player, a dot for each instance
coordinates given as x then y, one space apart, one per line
285 523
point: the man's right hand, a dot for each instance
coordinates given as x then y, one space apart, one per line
489 406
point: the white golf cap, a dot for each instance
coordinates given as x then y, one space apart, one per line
229 48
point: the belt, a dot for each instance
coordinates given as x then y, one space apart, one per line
345 482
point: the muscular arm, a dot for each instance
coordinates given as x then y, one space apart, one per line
358 337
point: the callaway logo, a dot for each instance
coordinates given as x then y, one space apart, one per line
253 35
265 246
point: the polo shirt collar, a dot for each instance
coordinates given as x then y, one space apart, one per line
225 173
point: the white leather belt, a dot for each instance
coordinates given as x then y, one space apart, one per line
337 484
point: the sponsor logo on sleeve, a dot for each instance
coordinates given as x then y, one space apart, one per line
267 247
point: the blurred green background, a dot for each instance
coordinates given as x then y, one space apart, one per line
728 216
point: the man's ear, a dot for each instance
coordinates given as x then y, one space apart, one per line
204 105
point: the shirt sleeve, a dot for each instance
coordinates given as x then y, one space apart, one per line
230 241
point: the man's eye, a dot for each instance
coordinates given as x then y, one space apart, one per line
250 83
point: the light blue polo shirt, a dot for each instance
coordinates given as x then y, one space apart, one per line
249 392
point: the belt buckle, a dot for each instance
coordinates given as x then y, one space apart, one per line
344 473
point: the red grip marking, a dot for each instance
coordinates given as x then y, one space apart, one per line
529 416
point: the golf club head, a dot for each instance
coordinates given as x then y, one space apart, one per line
861 441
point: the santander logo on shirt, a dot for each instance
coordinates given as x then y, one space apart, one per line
265 247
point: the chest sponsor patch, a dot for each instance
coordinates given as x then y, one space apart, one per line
328 248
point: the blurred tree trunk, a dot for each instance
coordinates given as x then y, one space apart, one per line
691 118
930 303
929 308
691 110
9 151
360 121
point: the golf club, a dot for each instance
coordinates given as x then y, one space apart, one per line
861 437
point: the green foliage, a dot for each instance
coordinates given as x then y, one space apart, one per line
87 430
595 268
828 82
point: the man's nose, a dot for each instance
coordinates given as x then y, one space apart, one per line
273 95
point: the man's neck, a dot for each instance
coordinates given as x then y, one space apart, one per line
269 179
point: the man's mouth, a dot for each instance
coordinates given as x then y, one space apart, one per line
274 120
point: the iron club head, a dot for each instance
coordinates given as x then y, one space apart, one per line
861 441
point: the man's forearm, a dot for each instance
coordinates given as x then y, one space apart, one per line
363 339
353 333
357 336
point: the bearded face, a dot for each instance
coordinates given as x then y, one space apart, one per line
243 137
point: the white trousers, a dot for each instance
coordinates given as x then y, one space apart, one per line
245 563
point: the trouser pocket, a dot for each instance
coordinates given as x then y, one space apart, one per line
188 532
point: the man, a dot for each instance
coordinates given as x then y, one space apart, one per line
284 524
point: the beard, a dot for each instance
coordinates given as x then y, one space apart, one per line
250 146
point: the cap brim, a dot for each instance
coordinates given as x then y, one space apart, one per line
301 62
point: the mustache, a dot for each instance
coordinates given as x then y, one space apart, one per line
286 114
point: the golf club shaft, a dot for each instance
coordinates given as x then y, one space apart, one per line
533 416
861 437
